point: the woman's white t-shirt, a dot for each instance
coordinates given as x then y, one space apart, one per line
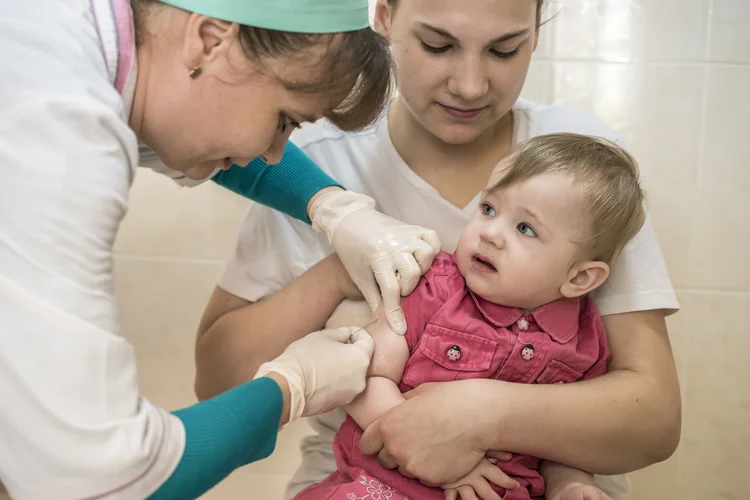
274 249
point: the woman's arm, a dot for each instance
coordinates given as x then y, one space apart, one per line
215 445
623 421
384 256
323 370
236 336
288 187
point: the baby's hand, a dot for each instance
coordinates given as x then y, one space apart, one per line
577 491
476 484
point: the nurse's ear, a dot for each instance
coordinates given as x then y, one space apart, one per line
383 16
207 40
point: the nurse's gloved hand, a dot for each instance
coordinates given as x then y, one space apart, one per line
384 257
324 370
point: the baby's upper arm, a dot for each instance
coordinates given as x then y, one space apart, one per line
391 350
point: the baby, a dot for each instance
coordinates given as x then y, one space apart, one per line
510 304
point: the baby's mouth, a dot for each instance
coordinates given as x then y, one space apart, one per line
484 263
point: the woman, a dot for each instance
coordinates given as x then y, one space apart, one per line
195 85
460 67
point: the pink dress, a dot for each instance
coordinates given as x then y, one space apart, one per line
453 334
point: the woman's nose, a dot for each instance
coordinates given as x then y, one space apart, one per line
469 81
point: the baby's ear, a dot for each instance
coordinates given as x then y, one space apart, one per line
584 278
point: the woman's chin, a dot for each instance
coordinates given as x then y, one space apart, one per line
458 134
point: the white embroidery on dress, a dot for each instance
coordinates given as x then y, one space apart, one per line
375 490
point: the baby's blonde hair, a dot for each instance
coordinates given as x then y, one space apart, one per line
608 176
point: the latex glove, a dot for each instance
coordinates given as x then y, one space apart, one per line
384 257
324 370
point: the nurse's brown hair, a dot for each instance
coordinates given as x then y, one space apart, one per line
357 62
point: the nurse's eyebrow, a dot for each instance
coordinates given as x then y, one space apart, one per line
447 34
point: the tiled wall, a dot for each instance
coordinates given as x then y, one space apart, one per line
673 78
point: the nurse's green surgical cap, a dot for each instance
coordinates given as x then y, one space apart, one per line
298 16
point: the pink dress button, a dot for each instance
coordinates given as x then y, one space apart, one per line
527 352
523 324
454 353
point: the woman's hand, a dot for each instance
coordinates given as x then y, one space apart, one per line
430 435
324 370
384 257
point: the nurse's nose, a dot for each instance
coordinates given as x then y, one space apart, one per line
273 155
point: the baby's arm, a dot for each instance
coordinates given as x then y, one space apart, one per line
386 368
566 483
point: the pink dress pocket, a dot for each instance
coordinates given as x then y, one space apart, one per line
444 355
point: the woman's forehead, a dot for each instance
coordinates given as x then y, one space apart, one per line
479 18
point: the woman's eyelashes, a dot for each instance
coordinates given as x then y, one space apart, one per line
285 121
443 49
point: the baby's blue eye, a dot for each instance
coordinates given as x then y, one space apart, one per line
488 210
526 230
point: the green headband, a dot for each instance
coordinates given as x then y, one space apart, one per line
297 16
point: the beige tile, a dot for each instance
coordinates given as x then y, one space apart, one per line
730 37
167 220
667 148
658 482
286 457
243 485
546 33
720 261
161 303
716 434
631 30
538 84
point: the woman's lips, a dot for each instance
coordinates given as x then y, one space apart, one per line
463 114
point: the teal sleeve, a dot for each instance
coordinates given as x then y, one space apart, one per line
286 187
223 434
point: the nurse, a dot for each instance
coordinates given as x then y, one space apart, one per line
191 88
